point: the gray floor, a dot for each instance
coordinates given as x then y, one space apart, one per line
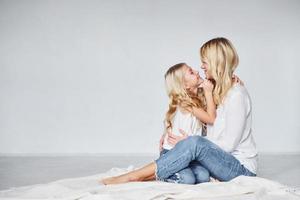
20 171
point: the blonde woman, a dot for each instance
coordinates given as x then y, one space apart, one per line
229 149
189 96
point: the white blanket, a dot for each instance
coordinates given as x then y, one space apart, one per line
88 188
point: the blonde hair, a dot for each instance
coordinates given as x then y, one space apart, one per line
178 95
222 59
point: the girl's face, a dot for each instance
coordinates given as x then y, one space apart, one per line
192 78
204 66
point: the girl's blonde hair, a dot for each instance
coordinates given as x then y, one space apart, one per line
222 59
178 95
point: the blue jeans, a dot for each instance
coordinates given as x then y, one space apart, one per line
197 150
193 174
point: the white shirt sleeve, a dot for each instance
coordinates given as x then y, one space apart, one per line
235 122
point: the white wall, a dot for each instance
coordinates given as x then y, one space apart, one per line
87 76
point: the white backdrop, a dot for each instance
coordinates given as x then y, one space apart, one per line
87 76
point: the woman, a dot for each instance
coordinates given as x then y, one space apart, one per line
229 149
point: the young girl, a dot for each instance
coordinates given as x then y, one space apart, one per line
191 100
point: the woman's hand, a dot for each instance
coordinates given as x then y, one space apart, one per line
207 85
161 142
173 139
236 79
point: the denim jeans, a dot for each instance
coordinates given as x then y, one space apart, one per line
200 152
193 174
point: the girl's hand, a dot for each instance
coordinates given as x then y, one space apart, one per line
161 142
173 139
236 79
207 86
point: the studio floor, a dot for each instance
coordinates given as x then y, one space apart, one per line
18 171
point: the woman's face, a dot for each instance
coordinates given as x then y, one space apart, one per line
204 66
192 78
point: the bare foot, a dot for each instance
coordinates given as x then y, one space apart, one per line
145 173
117 180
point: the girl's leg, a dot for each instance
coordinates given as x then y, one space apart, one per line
201 174
185 176
150 178
220 164
146 173
141 174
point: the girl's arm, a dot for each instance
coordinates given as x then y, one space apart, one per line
161 141
204 116
209 115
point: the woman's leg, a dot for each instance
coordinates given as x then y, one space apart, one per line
220 164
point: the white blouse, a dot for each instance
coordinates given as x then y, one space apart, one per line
185 121
232 127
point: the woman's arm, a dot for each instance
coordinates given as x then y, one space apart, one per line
235 122
173 139
208 116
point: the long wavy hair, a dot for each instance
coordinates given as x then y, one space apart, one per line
178 94
222 59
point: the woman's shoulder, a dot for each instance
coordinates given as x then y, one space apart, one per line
237 91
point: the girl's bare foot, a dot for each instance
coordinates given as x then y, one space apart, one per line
118 180
143 174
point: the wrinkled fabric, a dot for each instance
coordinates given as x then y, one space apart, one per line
88 188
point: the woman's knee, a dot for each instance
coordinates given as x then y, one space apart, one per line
195 141
192 140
